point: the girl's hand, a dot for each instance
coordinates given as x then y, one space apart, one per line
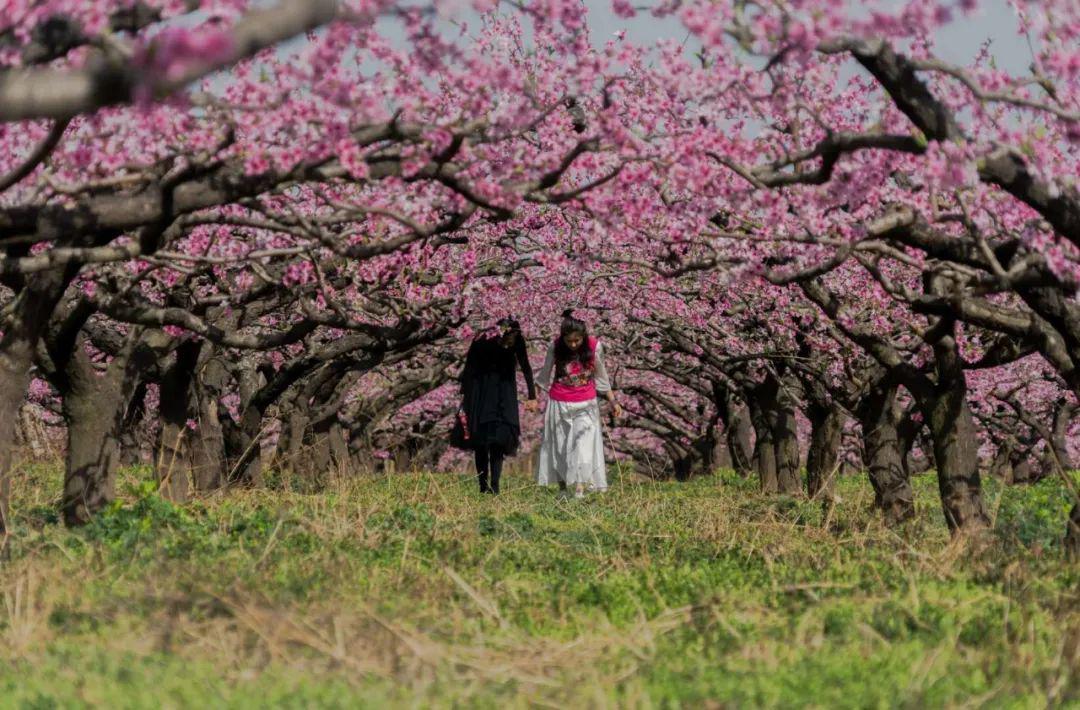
618 411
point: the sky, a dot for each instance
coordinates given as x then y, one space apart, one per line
959 42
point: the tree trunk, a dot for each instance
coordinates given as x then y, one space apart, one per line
722 456
290 449
1023 472
245 449
207 444
737 429
823 456
339 448
956 449
789 480
17 347
130 438
762 419
680 466
93 407
892 489
1072 534
1059 450
32 434
16 354
174 460
172 464
1001 465
241 441
765 458
738 444
908 430
317 446
191 448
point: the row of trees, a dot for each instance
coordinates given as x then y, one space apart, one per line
791 268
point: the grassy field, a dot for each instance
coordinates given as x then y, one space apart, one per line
415 591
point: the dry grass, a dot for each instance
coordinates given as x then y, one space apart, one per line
414 590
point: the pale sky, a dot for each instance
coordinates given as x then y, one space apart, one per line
959 42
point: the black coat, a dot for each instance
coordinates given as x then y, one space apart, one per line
489 394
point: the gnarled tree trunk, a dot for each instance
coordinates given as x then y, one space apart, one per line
290 446
762 403
951 424
956 449
190 453
173 461
892 489
207 444
29 316
339 447
93 407
911 430
764 451
823 456
737 429
93 451
130 439
1072 534
1064 412
789 480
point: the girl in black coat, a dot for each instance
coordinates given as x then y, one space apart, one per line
488 421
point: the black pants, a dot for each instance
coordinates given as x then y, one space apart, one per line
489 461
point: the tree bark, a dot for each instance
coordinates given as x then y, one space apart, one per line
892 488
173 463
290 447
680 467
130 440
789 480
241 441
1063 416
952 426
956 449
339 447
823 456
1072 534
722 455
1001 466
244 449
27 322
908 430
762 404
764 452
737 429
93 407
16 355
320 452
33 434
189 457
207 444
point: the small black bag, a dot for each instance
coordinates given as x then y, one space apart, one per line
459 433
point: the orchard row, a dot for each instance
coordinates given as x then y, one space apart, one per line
806 238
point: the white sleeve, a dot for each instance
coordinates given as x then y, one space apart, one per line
603 384
543 380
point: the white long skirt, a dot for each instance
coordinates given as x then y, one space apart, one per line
572 448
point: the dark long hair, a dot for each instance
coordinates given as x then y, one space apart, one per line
563 354
510 324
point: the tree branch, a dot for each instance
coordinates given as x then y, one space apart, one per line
62 93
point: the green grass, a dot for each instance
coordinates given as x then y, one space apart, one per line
415 591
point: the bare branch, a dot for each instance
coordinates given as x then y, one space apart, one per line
62 93
40 153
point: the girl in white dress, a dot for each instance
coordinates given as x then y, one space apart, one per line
574 373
